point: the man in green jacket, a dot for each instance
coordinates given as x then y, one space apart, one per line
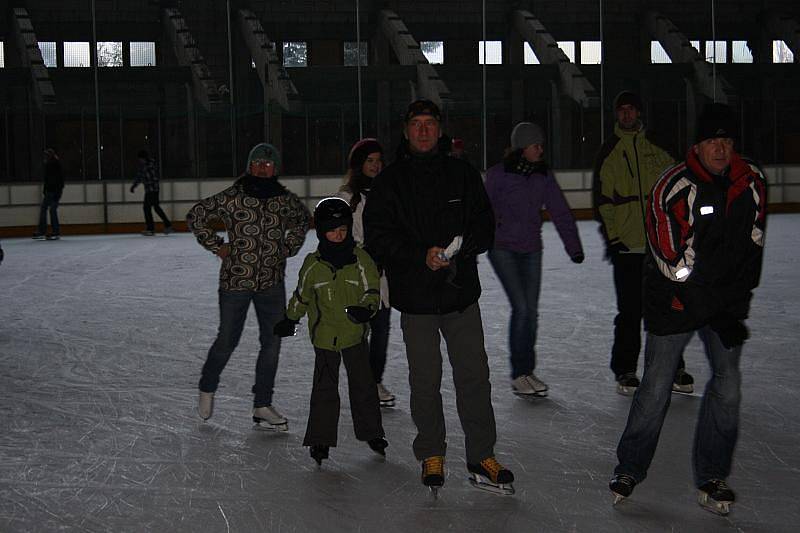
624 173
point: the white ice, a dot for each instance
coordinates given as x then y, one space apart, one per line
101 343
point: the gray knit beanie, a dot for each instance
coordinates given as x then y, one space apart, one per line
525 134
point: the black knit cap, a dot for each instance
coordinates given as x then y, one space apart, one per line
361 150
627 98
716 120
422 107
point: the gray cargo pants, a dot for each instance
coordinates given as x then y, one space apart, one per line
463 333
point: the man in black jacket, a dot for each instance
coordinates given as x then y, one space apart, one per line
427 218
705 227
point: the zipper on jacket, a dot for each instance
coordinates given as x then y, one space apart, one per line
639 175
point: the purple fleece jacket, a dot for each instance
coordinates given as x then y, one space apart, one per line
517 201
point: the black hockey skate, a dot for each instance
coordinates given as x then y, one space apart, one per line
492 476
716 496
683 382
378 445
622 486
433 473
318 453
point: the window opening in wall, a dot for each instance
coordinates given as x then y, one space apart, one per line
781 53
740 52
493 52
695 45
657 53
528 55
143 54
2 55
109 54
76 54
295 54
351 53
718 53
568 47
433 51
591 52
49 55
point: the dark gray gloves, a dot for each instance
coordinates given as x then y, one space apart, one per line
358 314
285 328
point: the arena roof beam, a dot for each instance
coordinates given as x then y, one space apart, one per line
31 56
206 87
573 82
272 74
784 28
680 50
408 52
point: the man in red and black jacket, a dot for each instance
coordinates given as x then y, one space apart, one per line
705 228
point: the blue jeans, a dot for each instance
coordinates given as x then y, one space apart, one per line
270 307
49 203
717 423
520 274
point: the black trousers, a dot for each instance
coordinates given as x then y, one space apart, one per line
379 342
628 272
323 417
151 202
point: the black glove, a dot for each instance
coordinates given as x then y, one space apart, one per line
578 258
133 188
358 314
732 332
285 328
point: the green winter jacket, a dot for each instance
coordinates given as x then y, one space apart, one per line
323 292
625 171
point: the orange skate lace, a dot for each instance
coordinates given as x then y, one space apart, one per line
491 466
433 465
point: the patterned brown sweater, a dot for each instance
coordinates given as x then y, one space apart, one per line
262 234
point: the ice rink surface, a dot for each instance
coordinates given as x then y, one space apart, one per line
101 343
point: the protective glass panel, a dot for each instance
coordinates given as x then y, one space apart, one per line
591 52
781 53
49 55
351 54
294 54
658 54
718 53
529 56
109 54
741 52
568 47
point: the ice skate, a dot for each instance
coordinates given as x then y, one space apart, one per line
378 445
622 486
522 387
318 453
491 476
148 233
52 236
627 384
269 418
384 396
168 230
205 405
683 382
433 473
38 237
540 387
716 496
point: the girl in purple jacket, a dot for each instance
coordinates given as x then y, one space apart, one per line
519 188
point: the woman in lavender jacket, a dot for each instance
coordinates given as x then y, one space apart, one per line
519 188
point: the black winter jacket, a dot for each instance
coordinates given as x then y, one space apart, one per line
706 236
420 201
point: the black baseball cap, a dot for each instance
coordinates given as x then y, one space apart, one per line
422 107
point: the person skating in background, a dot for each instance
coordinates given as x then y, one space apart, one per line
365 162
427 219
265 224
625 170
51 192
147 174
706 220
519 188
338 288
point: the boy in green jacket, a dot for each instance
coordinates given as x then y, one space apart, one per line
339 290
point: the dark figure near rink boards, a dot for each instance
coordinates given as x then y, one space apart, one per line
626 168
706 219
147 174
51 195
420 208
